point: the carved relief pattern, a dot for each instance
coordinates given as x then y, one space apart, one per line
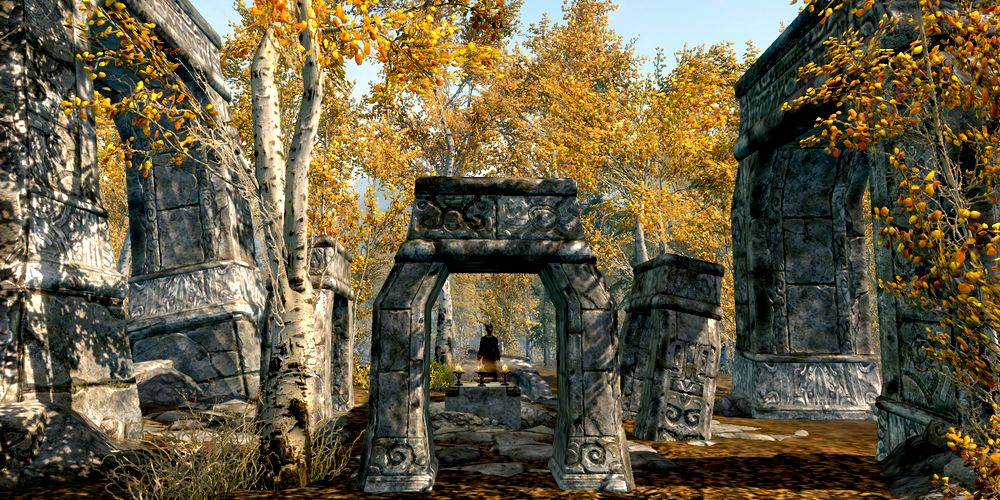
634 354
496 217
690 366
816 386
66 233
539 217
776 250
741 265
593 455
459 217
180 293
780 82
893 430
397 457
922 385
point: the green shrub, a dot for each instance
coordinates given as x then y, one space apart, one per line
441 376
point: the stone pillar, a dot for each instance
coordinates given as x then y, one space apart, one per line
399 452
916 398
330 269
800 258
195 294
62 339
635 353
681 297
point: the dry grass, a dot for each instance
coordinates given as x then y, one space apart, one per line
202 464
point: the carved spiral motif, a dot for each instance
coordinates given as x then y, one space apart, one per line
594 453
399 455
692 417
674 413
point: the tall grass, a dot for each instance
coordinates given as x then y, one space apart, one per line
202 464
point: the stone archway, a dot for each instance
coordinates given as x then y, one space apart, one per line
495 225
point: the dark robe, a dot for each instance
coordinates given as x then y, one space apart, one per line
489 353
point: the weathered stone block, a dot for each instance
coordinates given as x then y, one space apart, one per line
160 384
808 250
394 350
392 392
679 392
69 340
188 356
809 183
493 401
175 187
812 311
180 248
600 340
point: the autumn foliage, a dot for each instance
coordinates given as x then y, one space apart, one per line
930 109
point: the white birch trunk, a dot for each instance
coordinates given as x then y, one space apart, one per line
288 398
445 326
641 255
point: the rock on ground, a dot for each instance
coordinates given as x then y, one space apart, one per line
46 444
161 385
501 469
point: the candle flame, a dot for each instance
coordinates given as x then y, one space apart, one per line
458 369
480 368
505 369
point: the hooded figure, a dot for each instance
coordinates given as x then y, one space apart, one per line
489 351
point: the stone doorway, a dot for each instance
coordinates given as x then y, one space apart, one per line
469 225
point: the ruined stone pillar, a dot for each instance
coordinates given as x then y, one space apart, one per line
195 294
803 289
676 376
63 348
330 269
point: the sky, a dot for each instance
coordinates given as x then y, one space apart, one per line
666 24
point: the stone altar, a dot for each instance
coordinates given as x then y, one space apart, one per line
499 402
671 348
495 225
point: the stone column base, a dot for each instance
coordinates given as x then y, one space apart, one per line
808 387
398 465
597 481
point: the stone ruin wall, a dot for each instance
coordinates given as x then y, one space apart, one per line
62 336
803 290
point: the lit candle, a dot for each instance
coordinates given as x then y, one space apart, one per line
458 369
480 368
505 369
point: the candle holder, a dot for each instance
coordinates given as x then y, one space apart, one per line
482 377
458 375
504 373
